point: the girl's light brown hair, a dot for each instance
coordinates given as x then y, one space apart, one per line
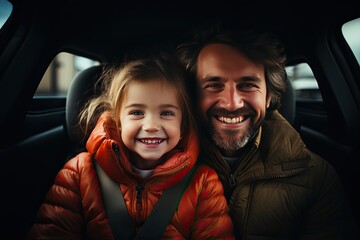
116 79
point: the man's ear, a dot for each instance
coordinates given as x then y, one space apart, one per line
268 100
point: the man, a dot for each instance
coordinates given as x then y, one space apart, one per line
276 188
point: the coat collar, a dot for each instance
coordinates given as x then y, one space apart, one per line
105 145
280 142
278 151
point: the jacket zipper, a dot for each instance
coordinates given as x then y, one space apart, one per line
139 188
139 207
233 172
232 180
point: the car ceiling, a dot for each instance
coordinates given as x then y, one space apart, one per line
103 29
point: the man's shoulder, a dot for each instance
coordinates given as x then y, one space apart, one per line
276 128
274 119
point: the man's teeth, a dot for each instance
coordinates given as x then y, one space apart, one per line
151 141
231 120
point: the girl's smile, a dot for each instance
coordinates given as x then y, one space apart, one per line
150 120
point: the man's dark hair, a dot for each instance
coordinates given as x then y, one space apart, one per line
260 45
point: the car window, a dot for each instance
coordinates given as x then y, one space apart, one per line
351 31
60 72
303 82
5 11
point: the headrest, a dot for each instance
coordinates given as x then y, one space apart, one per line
287 108
81 89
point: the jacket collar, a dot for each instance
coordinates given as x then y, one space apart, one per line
281 143
105 145
278 151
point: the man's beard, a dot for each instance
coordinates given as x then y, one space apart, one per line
230 143
229 140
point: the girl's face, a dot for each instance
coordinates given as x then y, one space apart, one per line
150 120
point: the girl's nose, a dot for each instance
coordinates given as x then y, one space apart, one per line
151 124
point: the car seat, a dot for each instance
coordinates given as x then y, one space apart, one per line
287 107
81 89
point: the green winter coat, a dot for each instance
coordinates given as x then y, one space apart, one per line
280 189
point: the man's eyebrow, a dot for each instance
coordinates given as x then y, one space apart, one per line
211 79
250 79
240 79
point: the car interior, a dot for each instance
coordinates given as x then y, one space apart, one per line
39 133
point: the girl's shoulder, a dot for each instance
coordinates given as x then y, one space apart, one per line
206 180
78 162
205 172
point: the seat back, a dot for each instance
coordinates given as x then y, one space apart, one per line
288 107
81 89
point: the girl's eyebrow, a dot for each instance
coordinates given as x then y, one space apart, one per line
139 105
168 106
135 105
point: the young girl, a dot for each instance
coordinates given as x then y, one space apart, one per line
144 136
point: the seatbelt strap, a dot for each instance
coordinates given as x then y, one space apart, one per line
155 224
164 209
120 221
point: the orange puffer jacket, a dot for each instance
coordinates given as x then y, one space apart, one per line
73 207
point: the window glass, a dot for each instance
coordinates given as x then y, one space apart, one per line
351 31
60 72
5 11
303 82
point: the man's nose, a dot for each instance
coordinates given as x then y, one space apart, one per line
231 98
151 124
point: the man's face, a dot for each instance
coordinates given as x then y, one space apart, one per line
233 95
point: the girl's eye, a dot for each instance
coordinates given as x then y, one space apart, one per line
167 113
136 113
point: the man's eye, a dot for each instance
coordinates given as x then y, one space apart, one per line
214 85
246 86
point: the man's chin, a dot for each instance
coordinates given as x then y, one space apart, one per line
230 143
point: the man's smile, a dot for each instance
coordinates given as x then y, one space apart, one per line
237 119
